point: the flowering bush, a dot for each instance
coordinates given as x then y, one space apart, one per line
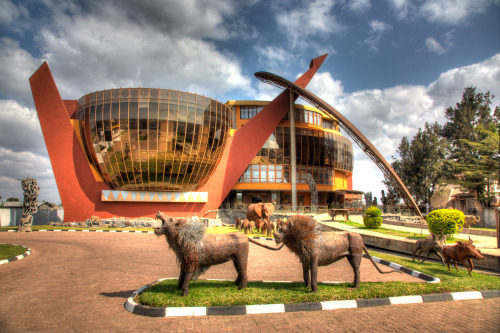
445 221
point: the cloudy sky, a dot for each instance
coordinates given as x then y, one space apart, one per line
392 64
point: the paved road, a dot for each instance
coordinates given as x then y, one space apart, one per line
78 282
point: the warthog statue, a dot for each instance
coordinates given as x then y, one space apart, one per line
303 236
196 251
462 252
429 245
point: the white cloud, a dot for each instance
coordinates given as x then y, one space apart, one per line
448 88
10 12
379 27
358 5
402 8
377 30
17 67
106 49
452 12
273 57
186 18
315 18
105 46
19 128
449 12
23 152
19 165
324 85
434 46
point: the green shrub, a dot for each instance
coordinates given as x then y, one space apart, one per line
372 219
373 211
445 221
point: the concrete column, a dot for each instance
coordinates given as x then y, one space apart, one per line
293 151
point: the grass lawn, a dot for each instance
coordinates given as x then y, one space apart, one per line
478 228
225 293
405 234
9 251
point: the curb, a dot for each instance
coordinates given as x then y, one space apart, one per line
148 311
417 274
142 310
16 258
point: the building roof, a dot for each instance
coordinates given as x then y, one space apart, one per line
13 204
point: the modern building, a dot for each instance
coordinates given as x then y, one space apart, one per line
321 151
135 151
157 140
152 140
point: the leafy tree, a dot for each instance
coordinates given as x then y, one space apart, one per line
482 173
472 130
420 163
383 199
368 198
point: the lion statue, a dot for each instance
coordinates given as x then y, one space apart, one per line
303 236
196 251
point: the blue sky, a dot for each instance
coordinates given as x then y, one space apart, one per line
392 64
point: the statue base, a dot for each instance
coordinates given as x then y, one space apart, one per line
24 229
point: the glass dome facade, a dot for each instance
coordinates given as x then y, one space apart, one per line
153 139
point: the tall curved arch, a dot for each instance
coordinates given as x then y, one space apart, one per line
350 129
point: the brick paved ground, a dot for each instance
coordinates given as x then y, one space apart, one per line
76 281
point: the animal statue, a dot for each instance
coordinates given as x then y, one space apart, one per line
260 225
471 220
429 245
30 207
270 228
238 223
303 236
248 226
95 220
197 251
462 252
259 212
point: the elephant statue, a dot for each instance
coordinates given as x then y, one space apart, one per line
260 211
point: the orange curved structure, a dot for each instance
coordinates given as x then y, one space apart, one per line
350 129
84 193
